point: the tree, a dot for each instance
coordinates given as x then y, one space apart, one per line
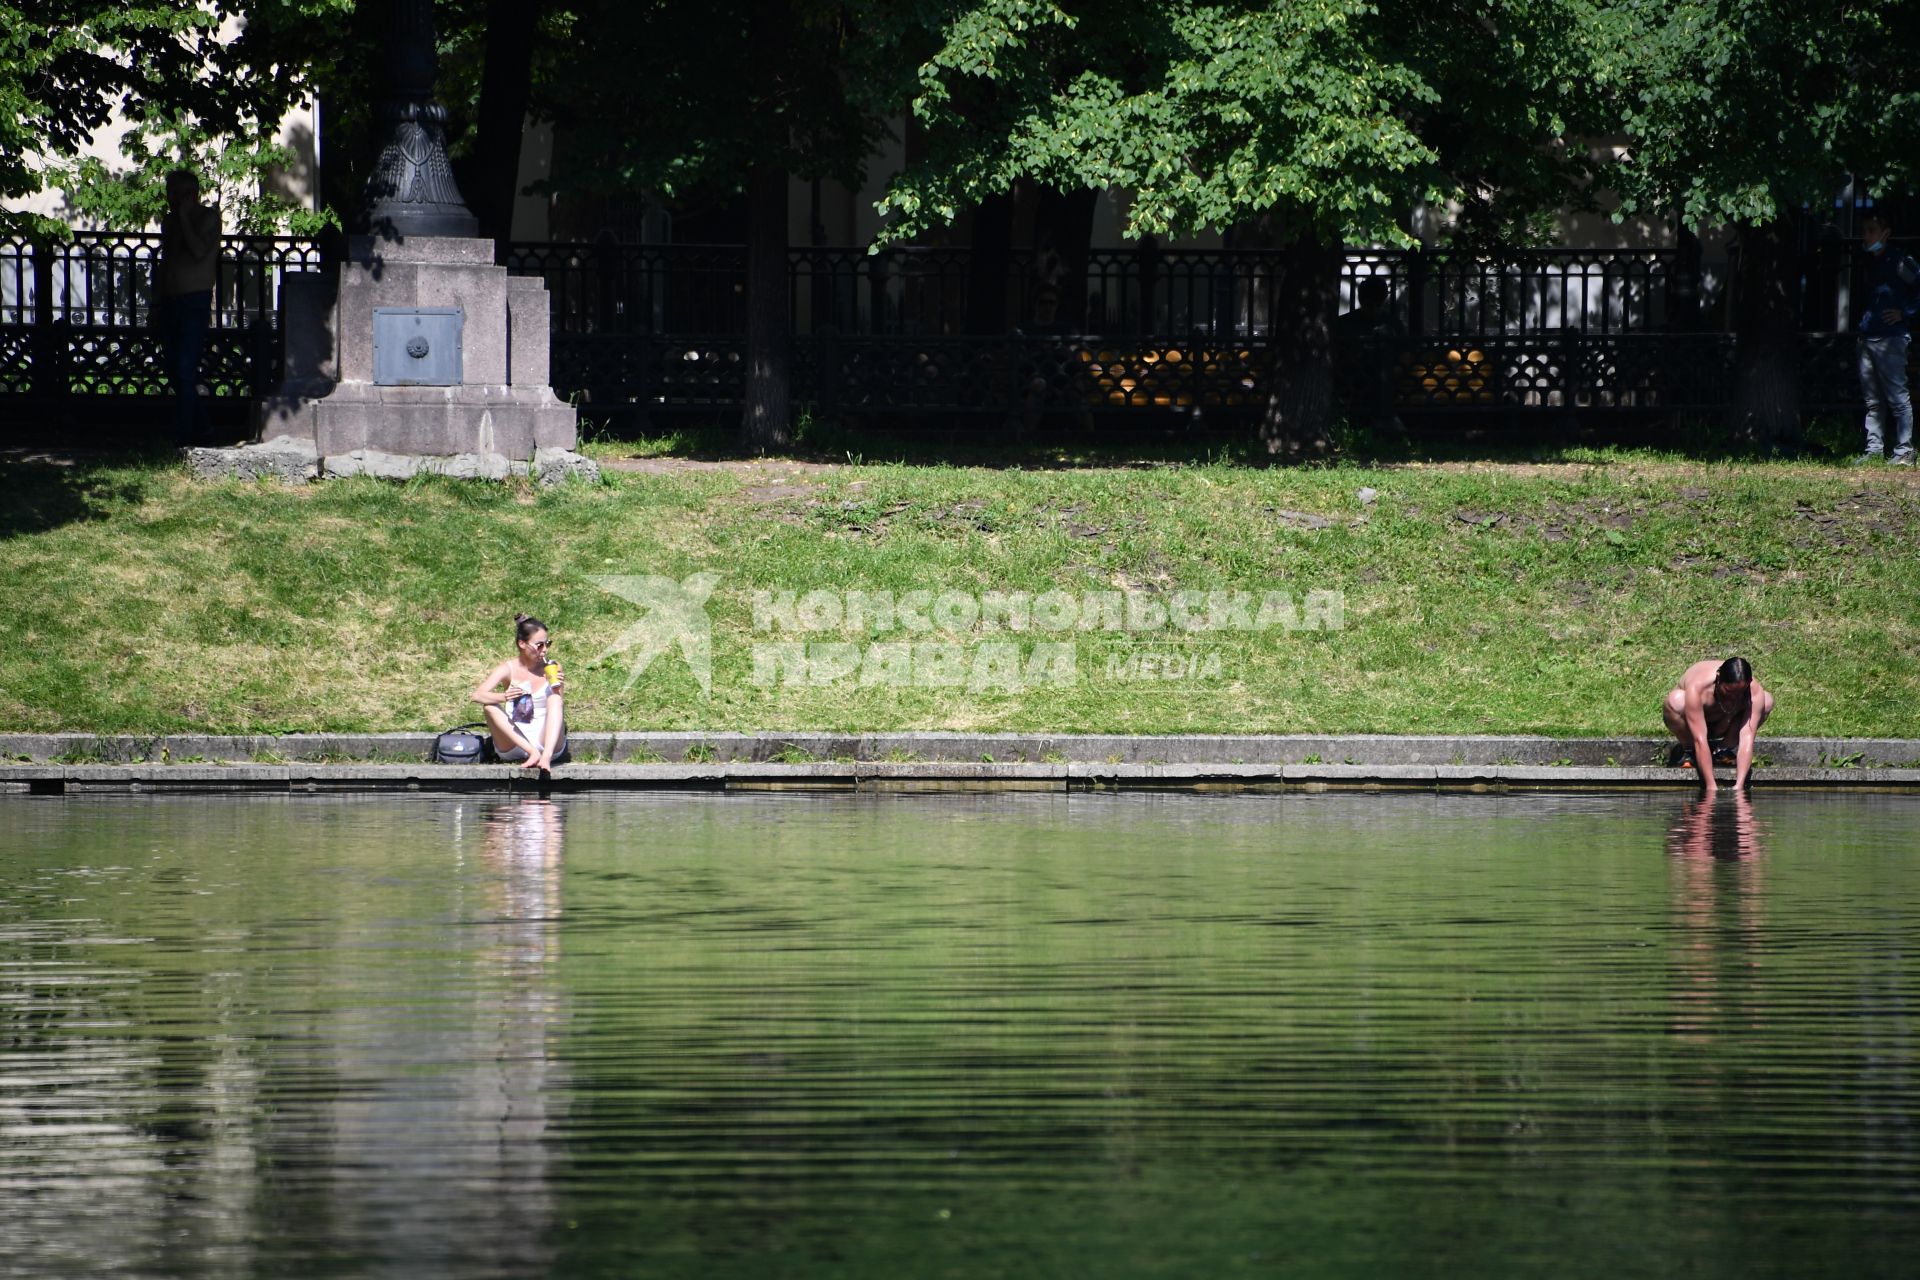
1331 118
206 85
1749 112
231 170
689 104
666 100
506 90
192 97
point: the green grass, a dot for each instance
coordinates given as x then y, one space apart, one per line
1559 597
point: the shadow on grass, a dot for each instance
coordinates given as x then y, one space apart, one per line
1164 441
43 489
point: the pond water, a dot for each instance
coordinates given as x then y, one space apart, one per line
1333 1035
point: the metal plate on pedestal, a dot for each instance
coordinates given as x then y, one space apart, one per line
417 346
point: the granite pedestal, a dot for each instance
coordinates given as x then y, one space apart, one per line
332 414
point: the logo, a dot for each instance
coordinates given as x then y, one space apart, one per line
995 641
677 615
981 641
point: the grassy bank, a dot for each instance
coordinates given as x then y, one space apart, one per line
1558 598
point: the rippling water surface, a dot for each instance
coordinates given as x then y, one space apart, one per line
1021 1036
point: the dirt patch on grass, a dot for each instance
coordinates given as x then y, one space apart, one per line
858 519
1855 520
779 491
47 457
1482 519
772 482
1300 519
1073 521
767 467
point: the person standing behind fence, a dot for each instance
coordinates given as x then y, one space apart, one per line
189 258
1893 295
1372 333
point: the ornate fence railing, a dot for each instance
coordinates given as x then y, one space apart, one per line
923 292
642 329
76 319
105 279
1561 373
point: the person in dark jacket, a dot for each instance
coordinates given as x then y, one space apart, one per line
1892 297
1372 336
189 261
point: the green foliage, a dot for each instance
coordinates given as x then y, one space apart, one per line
68 66
232 170
59 80
1332 115
1743 110
1337 115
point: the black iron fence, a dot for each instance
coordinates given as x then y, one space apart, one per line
77 319
1563 373
642 329
924 292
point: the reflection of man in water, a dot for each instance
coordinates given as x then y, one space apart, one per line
1709 833
523 849
458 1095
1714 712
1715 858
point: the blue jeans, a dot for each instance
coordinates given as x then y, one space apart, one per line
183 332
1883 385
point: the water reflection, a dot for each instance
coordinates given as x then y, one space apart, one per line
471 1088
239 1038
1716 851
1721 831
1102 1035
522 844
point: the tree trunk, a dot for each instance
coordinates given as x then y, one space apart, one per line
1766 374
766 422
505 86
989 260
1299 412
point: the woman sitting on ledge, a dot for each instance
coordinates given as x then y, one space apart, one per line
526 716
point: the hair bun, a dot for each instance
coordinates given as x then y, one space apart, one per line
519 618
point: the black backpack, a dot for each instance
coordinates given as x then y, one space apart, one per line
458 746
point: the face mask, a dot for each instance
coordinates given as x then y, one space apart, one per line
1876 246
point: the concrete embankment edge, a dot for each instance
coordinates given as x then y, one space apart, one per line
983 748
920 776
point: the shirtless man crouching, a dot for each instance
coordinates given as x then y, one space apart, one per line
1716 710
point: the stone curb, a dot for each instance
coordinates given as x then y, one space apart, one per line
1367 750
748 776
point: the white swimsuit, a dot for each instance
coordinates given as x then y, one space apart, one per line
528 713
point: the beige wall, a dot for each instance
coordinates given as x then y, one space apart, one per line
294 183
533 215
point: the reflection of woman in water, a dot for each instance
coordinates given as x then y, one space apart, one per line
511 1078
526 716
523 847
